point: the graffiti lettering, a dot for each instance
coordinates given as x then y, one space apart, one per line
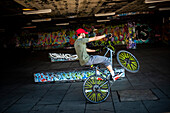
72 75
59 56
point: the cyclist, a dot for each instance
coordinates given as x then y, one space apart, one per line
84 57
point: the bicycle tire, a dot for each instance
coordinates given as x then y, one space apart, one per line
128 61
90 85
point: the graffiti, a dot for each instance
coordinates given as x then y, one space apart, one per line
142 31
66 37
62 57
131 44
62 76
68 76
46 39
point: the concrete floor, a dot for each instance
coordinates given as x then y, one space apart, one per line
147 91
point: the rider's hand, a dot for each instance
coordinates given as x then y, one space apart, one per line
109 35
97 50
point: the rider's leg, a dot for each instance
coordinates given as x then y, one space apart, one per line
111 70
96 59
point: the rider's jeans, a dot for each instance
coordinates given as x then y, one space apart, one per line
96 59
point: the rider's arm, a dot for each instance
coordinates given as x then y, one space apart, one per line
90 50
96 38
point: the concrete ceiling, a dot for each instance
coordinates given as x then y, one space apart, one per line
86 8
63 9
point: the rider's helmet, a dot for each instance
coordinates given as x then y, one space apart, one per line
80 30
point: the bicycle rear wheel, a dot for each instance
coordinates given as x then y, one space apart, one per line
96 89
128 61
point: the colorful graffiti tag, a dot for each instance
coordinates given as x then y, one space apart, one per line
68 76
62 57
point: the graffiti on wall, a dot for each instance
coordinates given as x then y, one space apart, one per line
122 34
142 33
68 76
62 57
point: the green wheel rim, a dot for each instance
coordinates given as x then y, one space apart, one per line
128 61
92 83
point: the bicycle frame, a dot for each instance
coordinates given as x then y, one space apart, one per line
98 70
111 54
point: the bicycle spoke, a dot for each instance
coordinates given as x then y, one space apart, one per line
123 61
104 90
130 67
126 65
103 95
132 61
88 84
104 84
87 91
131 58
100 82
94 79
89 94
99 98
135 65
93 97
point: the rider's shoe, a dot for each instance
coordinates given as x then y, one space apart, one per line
116 77
113 77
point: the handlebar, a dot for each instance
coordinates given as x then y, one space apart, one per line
107 47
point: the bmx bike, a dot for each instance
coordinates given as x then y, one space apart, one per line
96 88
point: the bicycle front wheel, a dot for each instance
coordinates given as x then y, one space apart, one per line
96 89
128 61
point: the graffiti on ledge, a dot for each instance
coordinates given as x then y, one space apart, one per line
68 76
62 57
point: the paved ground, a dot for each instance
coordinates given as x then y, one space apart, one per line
147 91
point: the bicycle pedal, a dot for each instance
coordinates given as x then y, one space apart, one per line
111 78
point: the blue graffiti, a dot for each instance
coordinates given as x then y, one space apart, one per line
72 75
